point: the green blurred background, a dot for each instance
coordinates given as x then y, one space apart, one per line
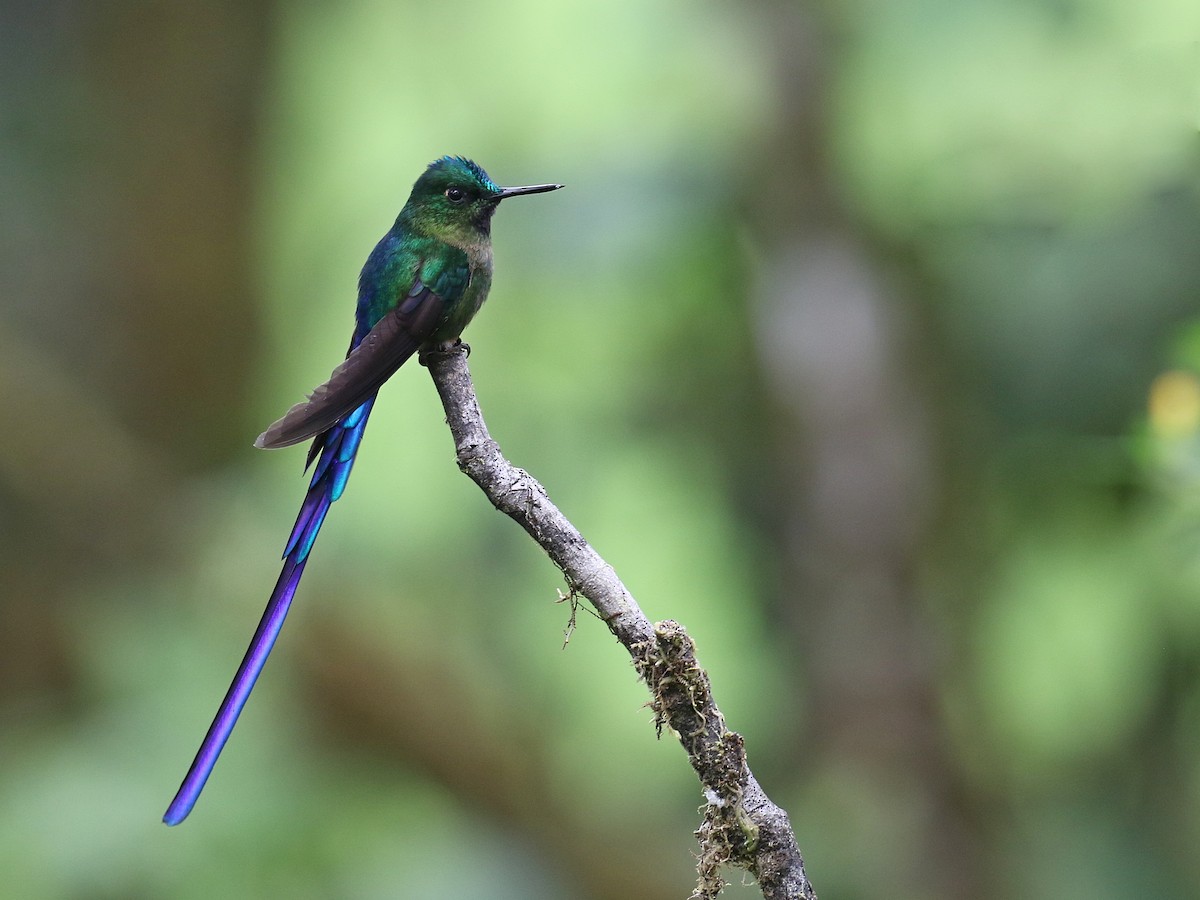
864 342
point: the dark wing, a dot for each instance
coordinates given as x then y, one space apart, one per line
393 340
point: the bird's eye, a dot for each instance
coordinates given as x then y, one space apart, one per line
455 195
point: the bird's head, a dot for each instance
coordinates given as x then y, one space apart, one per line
454 199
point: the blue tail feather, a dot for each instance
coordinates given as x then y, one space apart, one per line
337 450
314 499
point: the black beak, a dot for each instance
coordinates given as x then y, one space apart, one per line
505 193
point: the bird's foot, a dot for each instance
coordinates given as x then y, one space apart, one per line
425 354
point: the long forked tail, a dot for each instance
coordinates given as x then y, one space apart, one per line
336 449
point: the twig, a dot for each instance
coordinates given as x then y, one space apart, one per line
741 827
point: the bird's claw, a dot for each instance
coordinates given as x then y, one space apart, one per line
424 355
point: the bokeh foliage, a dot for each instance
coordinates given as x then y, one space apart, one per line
864 342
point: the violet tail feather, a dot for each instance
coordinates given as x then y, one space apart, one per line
337 451
238 694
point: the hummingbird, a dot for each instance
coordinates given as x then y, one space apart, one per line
420 287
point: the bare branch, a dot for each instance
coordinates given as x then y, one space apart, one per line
741 826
